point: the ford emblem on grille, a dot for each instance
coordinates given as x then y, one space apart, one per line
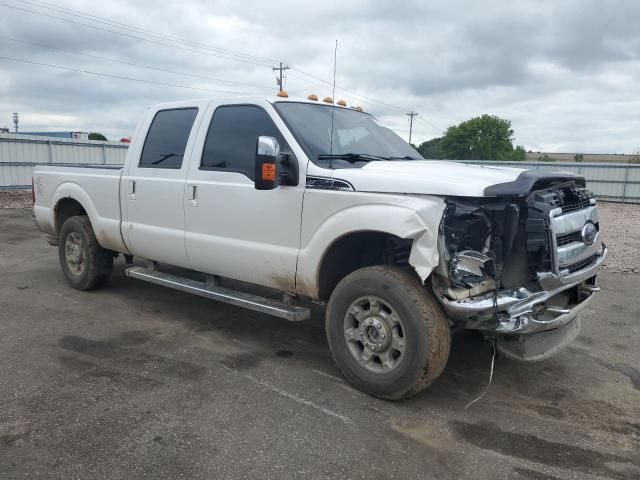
589 232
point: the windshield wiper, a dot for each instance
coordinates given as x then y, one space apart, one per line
352 157
407 157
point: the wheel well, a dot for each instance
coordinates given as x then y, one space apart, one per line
66 208
358 250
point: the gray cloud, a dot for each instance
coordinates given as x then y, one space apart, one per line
563 72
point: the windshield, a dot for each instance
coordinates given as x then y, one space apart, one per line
357 137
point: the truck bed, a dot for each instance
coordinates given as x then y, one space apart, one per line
97 187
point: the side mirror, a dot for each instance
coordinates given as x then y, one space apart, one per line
267 156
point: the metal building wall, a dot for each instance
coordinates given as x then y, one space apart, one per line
619 182
19 154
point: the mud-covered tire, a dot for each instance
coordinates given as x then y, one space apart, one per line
85 264
424 328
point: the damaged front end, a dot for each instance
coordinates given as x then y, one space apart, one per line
521 266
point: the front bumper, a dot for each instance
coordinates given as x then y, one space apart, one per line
521 311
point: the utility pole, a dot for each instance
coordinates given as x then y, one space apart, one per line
411 115
281 69
16 120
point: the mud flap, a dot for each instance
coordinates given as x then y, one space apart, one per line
538 346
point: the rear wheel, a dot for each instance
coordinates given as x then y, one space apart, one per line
387 332
85 264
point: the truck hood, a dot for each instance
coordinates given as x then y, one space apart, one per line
427 177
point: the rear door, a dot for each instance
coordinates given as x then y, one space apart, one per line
232 229
153 218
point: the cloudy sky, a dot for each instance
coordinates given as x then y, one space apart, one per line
564 72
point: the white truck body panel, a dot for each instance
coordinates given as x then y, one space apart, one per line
236 231
153 222
426 177
96 188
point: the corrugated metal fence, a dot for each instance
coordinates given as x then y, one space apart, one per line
19 154
617 182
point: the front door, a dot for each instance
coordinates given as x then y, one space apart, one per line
154 183
232 229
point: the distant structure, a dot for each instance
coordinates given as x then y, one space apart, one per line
16 121
4 130
71 135
586 157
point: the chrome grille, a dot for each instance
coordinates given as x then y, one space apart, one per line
570 251
568 238
581 264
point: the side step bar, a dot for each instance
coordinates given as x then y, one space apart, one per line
221 294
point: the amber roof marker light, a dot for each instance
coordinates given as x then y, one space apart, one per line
313 97
342 103
327 100
283 94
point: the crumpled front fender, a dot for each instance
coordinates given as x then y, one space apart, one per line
416 218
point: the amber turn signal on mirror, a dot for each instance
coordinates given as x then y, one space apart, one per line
269 172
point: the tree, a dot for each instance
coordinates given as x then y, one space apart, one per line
546 158
487 137
519 154
97 136
430 148
578 157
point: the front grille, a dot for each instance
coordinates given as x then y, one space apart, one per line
581 264
568 238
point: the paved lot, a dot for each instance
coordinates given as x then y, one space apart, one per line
136 381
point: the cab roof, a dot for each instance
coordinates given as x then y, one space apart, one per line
244 99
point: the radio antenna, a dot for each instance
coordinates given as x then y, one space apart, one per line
333 99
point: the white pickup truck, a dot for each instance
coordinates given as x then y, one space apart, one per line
318 201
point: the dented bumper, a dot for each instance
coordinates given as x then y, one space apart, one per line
521 311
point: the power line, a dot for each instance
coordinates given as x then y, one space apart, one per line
427 122
225 53
78 70
110 22
222 53
353 92
149 67
117 24
135 36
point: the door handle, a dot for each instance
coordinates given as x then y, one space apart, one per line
132 189
192 195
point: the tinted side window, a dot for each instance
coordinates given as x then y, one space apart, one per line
232 138
167 138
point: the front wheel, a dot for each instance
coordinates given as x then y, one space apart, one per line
387 332
85 264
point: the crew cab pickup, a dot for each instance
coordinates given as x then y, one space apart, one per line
317 201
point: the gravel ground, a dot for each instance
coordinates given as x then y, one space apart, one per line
15 199
620 226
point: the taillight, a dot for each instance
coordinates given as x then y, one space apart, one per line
33 191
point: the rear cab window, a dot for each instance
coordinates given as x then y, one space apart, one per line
167 138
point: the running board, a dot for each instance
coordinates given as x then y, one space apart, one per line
221 294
